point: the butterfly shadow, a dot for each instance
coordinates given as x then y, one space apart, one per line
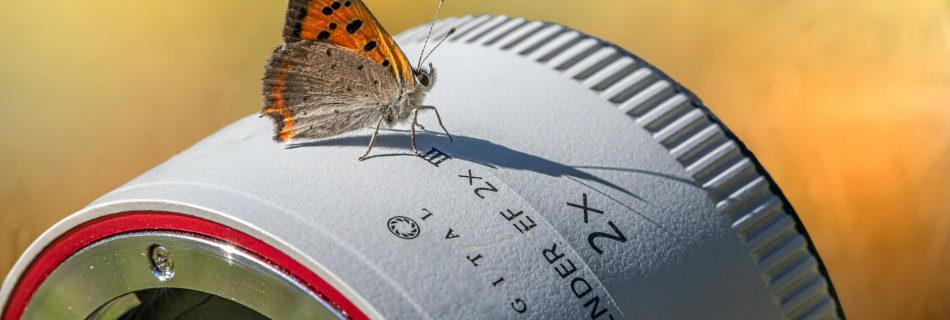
495 156
491 155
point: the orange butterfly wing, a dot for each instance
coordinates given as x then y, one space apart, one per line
349 24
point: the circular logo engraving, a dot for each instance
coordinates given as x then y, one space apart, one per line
403 227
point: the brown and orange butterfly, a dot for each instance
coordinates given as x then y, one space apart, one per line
338 70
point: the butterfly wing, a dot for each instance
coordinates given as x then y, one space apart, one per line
314 90
349 24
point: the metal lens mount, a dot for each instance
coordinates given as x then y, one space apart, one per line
166 275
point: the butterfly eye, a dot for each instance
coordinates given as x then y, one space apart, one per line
424 79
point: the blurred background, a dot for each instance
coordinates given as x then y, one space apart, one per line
846 103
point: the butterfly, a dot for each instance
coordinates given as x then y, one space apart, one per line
338 70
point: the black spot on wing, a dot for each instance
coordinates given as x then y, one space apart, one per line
370 45
332 26
347 4
335 5
323 35
386 63
354 26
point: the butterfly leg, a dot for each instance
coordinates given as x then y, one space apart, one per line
415 117
438 117
372 139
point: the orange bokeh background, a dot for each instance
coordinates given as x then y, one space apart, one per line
846 103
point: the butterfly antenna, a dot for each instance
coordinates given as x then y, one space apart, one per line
431 26
451 31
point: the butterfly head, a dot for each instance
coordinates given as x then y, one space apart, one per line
425 76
